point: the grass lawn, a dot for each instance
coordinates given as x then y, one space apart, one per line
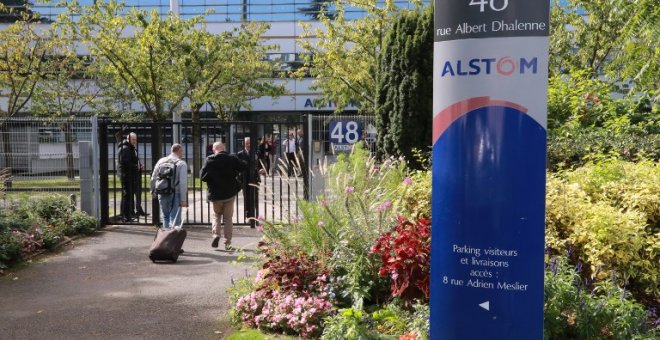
62 182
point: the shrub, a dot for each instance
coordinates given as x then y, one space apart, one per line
625 185
10 249
48 208
571 311
420 321
361 199
289 312
296 273
349 324
390 322
80 223
405 254
607 214
239 288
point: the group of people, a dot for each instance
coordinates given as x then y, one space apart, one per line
225 174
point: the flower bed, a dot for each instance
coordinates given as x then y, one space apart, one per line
37 223
355 264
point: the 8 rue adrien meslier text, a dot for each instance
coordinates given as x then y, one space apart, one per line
495 26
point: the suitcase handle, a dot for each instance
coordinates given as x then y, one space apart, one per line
174 226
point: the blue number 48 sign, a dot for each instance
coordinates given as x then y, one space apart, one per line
345 131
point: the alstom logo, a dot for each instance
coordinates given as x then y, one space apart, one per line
505 66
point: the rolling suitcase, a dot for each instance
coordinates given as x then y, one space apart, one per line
167 244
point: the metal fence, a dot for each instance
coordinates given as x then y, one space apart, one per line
41 156
275 196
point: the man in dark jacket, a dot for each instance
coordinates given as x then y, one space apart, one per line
129 169
219 172
250 179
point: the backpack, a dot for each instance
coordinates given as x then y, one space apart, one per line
166 177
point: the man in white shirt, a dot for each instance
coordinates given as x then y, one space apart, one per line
290 148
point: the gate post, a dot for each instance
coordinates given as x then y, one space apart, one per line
86 188
307 148
156 140
253 192
103 170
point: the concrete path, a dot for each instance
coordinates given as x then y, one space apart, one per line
105 287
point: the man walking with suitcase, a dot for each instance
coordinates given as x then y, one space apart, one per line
220 172
169 181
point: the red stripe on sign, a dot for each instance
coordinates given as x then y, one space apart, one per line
446 117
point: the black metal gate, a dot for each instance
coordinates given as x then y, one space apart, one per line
276 194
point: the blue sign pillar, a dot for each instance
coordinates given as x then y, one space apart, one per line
489 149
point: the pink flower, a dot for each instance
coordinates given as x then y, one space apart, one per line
323 203
387 204
321 224
349 190
407 181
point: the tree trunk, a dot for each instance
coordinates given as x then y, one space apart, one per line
68 139
196 140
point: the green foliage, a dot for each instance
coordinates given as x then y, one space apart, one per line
349 324
388 323
10 249
584 118
420 321
603 215
81 223
572 312
624 185
362 199
617 38
39 222
391 320
22 63
239 288
51 207
344 53
404 97
417 201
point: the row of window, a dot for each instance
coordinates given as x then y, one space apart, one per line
225 10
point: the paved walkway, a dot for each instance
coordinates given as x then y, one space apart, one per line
105 287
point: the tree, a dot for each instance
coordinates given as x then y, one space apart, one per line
318 9
225 70
405 85
65 92
16 10
24 59
343 56
163 61
138 51
618 39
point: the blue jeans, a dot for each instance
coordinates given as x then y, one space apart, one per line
170 209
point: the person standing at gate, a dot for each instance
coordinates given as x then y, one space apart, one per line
129 167
273 142
289 146
249 180
220 171
169 182
263 154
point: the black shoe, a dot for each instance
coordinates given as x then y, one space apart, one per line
127 219
142 213
214 244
